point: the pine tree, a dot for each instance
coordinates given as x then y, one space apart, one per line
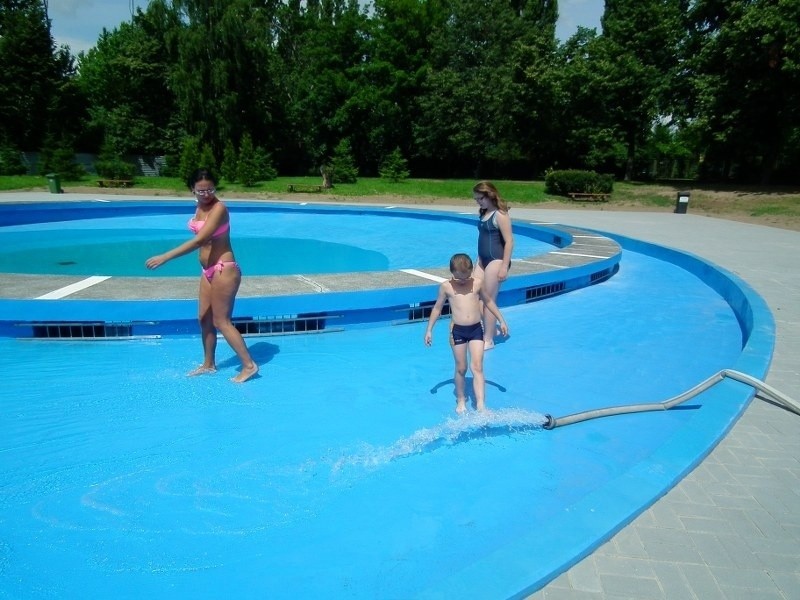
343 165
394 167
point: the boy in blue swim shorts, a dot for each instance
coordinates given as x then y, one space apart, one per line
464 293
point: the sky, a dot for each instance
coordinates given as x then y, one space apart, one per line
78 23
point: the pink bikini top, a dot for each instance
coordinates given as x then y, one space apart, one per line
196 226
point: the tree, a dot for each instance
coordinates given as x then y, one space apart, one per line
230 162
323 49
394 167
11 161
254 164
745 56
189 158
585 141
33 73
382 107
635 60
224 75
479 98
126 79
342 166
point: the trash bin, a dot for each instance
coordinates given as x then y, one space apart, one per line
682 203
54 183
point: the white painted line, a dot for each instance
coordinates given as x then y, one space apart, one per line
315 284
101 200
424 275
542 264
74 287
577 254
389 207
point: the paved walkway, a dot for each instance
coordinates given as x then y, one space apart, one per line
731 528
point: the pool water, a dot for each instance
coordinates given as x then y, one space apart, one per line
125 258
265 243
343 471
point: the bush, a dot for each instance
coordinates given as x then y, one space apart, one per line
113 167
394 167
254 163
563 183
342 166
189 160
207 158
230 162
61 160
11 162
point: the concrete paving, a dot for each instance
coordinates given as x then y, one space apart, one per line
731 528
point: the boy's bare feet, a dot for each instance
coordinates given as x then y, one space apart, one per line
480 406
201 370
488 346
245 374
461 405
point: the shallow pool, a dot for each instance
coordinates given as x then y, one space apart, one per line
265 242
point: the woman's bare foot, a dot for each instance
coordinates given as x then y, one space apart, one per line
461 405
245 374
201 370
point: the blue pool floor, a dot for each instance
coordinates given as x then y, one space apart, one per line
347 447
161 485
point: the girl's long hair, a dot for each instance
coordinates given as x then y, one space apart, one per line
487 188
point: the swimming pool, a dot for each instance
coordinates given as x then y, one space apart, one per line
311 481
275 239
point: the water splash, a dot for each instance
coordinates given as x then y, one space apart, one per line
472 425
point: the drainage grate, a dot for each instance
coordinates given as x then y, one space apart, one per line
601 275
81 330
544 291
286 324
422 310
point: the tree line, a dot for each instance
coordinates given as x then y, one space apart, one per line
706 89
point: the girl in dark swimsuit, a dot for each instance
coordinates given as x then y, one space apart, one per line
495 245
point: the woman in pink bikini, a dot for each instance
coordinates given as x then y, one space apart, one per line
220 277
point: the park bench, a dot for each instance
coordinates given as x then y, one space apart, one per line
305 188
589 196
115 183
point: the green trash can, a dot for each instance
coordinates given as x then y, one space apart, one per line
54 183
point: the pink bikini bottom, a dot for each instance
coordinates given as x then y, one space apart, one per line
217 268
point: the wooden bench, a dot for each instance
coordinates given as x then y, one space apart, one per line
305 188
115 183
589 196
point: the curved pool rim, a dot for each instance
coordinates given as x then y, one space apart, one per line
602 514
342 300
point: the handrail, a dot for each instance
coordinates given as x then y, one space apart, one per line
767 390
